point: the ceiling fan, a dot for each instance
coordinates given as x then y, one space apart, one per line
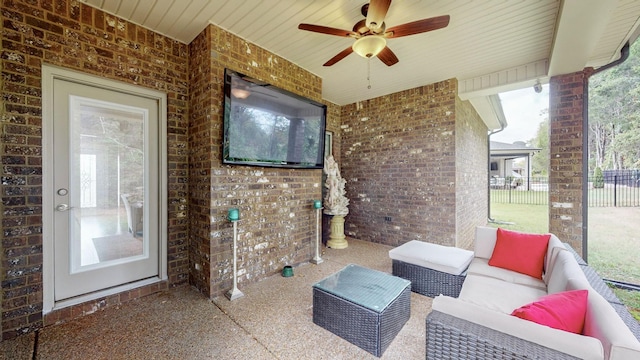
371 34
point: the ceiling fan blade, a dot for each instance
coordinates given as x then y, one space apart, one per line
376 13
327 30
418 27
341 55
387 56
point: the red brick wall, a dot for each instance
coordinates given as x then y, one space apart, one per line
566 115
471 173
398 158
203 141
78 37
277 219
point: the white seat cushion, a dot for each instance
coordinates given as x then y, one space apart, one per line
447 259
552 250
485 241
497 295
565 267
480 266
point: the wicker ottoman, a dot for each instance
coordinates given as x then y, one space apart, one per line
366 307
432 269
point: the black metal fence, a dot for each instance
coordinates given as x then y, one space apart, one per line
618 189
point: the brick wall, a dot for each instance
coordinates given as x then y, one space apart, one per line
78 37
471 173
398 158
277 218
566 115
334 121
203 139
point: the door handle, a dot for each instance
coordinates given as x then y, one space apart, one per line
63 207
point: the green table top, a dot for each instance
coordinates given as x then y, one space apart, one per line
372 289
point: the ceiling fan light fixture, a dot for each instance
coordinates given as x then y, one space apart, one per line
369 46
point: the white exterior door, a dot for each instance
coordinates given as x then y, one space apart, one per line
104 198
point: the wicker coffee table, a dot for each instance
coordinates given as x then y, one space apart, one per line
365 307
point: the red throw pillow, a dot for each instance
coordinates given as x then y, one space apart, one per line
520 252
564 310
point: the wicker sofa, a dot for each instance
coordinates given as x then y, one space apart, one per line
478 324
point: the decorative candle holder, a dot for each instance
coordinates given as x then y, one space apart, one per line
287 271
317 205
234 217
234 214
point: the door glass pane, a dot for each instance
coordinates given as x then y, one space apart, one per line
107 192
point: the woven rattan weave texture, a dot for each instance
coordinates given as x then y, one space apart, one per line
427 281
449 337
369 329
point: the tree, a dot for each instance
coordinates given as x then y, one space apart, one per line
540 160
598 178
614 127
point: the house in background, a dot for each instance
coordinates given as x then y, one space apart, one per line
503 163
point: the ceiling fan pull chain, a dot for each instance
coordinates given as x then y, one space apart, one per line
369 73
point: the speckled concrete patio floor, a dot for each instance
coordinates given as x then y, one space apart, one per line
272 321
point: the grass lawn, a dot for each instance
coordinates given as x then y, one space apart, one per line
613 240
614 243
521 217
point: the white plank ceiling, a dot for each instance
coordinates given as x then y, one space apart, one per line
489 46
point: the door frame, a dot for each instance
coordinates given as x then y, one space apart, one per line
49 73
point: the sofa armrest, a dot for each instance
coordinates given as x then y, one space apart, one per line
602 322
470 325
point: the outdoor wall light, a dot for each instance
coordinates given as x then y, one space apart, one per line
537 87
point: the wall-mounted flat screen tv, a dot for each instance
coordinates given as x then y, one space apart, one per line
268 126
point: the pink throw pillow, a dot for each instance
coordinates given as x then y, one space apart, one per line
520 252
563 311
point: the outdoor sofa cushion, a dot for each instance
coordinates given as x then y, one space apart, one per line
520 252
564 310
485 241
447 259
565 267
480 266
498 295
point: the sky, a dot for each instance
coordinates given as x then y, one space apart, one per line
522 110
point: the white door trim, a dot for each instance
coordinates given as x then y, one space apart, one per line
49 73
